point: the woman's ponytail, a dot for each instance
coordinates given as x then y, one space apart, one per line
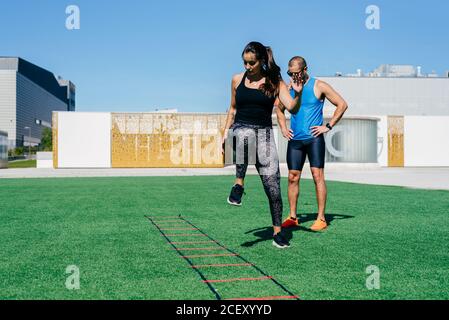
273 74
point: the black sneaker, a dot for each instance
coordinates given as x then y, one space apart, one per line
280 242
235 198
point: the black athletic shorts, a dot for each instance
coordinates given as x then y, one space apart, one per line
314 148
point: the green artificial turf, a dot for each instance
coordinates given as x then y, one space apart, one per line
98 224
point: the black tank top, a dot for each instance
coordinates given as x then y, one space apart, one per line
253 106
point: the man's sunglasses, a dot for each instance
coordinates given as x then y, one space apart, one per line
291 74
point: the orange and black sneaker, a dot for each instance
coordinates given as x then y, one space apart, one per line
319 225
290 222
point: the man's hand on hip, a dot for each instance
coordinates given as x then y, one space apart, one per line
317 130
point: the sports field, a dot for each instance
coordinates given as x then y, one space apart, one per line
99 225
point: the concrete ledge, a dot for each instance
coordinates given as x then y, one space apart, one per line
424 178
44 155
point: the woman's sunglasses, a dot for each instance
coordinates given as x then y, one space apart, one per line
251 63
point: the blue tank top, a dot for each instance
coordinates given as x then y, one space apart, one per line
310 114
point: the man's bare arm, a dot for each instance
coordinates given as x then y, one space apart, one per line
282 120
333 96
280 109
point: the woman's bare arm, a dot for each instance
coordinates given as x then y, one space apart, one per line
232 108
291 104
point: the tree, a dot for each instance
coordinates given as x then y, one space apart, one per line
46 140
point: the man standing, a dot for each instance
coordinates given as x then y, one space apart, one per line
306 138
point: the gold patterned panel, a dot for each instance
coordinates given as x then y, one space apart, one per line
167 140
55 138
395 141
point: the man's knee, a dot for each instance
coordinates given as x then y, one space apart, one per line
318 174
294 176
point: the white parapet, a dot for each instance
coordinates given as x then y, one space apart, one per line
44 159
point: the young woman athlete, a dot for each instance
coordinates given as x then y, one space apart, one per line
253 96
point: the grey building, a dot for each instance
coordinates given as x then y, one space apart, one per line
3 149
380 96
28 95
392 90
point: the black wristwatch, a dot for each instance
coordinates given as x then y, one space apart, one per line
328 126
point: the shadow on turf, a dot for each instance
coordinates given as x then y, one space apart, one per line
266 233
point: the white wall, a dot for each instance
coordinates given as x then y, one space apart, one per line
84 140
426 141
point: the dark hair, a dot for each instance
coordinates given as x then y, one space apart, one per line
302 62
270 69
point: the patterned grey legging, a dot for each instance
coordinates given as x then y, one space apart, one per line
255 145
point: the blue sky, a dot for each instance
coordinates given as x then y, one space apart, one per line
138 55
